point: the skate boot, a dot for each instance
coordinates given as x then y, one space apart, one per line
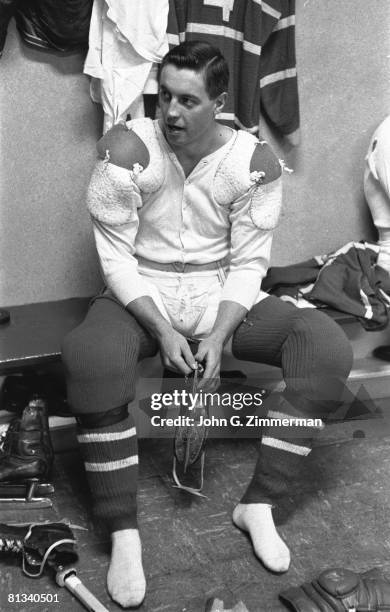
26 457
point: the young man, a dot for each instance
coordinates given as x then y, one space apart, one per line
183 211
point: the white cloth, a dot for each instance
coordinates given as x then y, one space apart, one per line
188 301
377 188
182 222
126 39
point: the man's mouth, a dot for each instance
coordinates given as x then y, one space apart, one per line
174 129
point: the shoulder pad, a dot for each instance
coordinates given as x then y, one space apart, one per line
246 161
232 176
250 167
266 189
134 146
265 204
123 148
152 177
263 160
112 196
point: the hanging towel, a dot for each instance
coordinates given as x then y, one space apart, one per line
126 40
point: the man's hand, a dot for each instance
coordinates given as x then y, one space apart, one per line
210 353
175 351
229 316
176 354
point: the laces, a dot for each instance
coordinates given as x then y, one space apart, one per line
6 435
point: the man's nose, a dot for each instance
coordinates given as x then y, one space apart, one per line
173 109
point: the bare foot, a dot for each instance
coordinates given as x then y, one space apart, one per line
125 578
269 547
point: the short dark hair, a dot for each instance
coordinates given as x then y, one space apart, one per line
198 56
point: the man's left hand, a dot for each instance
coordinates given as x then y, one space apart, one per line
210 354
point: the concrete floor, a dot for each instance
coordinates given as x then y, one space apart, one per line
337 515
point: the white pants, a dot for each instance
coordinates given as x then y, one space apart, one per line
188 300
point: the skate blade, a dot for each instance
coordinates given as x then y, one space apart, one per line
29 494
190 481
28 504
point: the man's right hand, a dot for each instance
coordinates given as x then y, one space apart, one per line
176 354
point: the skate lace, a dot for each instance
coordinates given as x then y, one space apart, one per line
11 545
5 437
38 573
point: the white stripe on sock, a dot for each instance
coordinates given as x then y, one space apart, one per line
285 446
111 466
107 437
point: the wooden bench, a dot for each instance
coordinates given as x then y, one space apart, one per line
32 338
31 342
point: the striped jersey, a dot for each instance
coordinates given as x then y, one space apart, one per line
257 39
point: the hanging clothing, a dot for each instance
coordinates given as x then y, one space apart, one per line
126 41
7 11
348 280
48 24
258 41
377 188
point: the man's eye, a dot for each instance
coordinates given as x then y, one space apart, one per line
164 95
187 102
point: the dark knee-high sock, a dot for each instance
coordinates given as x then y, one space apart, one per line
111 462
316 359
281 453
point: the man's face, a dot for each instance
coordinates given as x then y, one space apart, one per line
186 109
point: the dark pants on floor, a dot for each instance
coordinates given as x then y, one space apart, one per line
101 356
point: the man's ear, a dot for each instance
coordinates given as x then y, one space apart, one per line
220 102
